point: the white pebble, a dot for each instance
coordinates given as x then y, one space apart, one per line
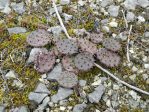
113 24
62 108
146 66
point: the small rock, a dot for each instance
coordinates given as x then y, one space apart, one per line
16 30
37 97
145 76
69 107
130 16
130 4
41 88
146 34
17 83
108 103
113 24
11 74
133 94
65 2
147 81
18 7
132 77
67 17
141 19
82 83
97 110
61 94
62 108
134 69
113 10
56 30
146 66
145 58
2 108
99 81
23 109
143 3
51 104
79 107
80 32
44 103
63 102
104 3
106 28
116 87
4 6
133 103
81 3
55 73
97 94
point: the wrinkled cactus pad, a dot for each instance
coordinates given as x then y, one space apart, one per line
67 46
38 38
44 61
84 61
111 44
68 79
87 46
68 64
96 38
107 57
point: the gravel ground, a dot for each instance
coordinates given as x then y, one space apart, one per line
23 89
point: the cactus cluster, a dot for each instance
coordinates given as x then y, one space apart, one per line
87 46
84 61
38 38
67 46
76 55
107 57
96 38
111 44
44 61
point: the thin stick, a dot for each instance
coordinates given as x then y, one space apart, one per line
128 40
60 20
126 23
106 71
117 79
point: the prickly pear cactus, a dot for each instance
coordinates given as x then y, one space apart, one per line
68 64
68 79
107 57
87 46
96 38
67 46
44 61
84 61
38 38
111 44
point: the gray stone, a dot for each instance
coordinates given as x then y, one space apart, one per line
63 102
143 3
2 108
41 88
11 74
52 10
3 3
130 4
37 97
56 30
64 2
55 73
82 83
23 109
61 94
67 17
97 94
44 103
133 103
113 10
18 7
130 16
79 107
33 53
146 34
16 30
104 3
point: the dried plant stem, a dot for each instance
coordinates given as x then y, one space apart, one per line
60 20
128 40
126 23
101 68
